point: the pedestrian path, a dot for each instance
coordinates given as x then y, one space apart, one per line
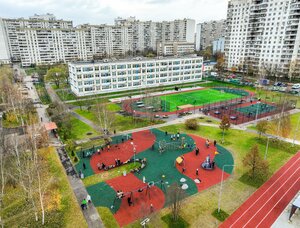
91 215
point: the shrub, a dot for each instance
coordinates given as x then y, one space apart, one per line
221 216
75 159
191 124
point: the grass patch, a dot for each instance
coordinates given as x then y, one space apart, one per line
61 207
294 123
94 179
180 223
107 217
66 95
80 129
221 216
42 93
121 123
254 182
113 107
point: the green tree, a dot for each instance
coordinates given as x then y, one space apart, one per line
258 168
262 127
58 74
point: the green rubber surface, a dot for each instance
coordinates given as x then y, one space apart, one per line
103 195
159 164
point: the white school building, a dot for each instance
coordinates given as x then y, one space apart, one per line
88 78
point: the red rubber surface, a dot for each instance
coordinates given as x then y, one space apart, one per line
141 200
265 205
123 151
192 162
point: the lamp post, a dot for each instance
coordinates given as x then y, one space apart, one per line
267 147
296 131
257 110
221 187
134 151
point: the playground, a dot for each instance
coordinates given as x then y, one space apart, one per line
184 101
164 159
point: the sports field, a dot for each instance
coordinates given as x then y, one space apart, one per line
195 98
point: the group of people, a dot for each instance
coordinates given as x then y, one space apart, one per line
207 143
174 136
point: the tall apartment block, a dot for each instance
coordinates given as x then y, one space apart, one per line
263 33
209 31
147 34
43 39
96 77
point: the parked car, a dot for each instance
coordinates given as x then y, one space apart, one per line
296 87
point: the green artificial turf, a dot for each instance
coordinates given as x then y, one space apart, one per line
197 98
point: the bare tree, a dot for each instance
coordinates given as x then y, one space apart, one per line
104 117
175 195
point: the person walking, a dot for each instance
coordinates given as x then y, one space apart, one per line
151 208
197 172
88 198
197 151
215 143
83 204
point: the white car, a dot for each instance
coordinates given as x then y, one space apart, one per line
296 87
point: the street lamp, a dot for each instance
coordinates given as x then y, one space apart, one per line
134 151
221 187
267 147
296 131
257 109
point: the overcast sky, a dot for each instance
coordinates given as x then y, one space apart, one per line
104 11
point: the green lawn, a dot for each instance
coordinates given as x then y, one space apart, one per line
80 129
197 98
61 207
66 95
294 123
121 123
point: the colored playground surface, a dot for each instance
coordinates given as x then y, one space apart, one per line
258 108
148 185
265 205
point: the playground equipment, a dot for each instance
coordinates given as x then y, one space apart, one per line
120 195
174 145
208 164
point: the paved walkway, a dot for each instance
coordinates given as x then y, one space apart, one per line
91 215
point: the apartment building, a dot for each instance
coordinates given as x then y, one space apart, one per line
175 48
219 45
263 33
146 34
209 31
89 78
43 39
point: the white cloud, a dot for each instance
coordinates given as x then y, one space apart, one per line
105 11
